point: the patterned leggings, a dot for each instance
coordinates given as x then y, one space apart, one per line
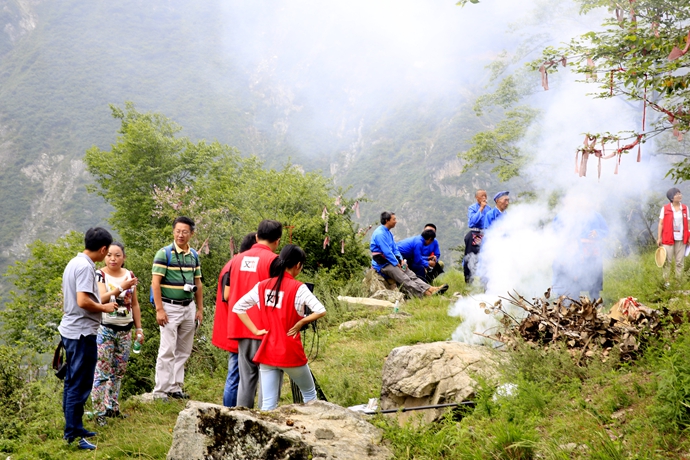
113 353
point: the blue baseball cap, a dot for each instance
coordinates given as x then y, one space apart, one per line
500 194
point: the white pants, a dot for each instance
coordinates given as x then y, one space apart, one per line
177 338
675 255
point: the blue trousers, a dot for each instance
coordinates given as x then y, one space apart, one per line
231 382
81 356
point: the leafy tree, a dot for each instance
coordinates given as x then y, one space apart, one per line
34 309
640 56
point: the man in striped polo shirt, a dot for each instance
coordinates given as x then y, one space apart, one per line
178 297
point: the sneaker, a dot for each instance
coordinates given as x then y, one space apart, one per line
85 445
178 395
101 421
115 414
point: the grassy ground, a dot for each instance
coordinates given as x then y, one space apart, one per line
558 410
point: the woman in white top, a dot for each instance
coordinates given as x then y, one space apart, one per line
114 337
673 231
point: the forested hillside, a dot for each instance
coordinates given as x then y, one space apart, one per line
62 63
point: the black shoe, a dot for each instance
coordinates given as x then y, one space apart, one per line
115 414
441 290
178 395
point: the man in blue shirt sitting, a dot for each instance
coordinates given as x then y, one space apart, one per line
433 254
388 261
419 252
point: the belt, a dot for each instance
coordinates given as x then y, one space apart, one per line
184 303
474 229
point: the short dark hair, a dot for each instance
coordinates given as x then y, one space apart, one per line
428 234
184 220
97 237
671 193
269 230
386 216
248 241
431 225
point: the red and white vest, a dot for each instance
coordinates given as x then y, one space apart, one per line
220 321
278 315
247 269
667 225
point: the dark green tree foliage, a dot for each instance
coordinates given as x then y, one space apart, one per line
34 309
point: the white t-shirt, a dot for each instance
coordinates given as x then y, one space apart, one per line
677 222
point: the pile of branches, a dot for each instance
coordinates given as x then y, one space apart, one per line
578 324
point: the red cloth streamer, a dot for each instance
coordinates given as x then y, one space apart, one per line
232 246
337 201
644 106
326 241
676 52
355 207
342 246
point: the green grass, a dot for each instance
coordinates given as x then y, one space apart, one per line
558 411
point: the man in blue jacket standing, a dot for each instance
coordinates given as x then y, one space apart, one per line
388 261
476 216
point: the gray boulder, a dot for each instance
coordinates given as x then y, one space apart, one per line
434 373
318 430
373 282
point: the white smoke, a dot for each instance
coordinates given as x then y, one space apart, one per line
519 250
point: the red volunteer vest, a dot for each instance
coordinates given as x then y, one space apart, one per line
247 269
220 320
277 349
667 225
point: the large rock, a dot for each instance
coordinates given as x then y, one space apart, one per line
318 430
434 373
373 282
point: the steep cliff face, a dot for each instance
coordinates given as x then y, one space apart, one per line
17 19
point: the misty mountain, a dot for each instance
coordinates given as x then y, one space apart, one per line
328 89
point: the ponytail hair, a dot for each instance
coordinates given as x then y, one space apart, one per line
289 257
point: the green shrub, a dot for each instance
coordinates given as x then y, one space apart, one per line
673 384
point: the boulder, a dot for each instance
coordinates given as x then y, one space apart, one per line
317 430
434 373
373 282
389 295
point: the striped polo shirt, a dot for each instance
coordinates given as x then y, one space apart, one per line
174 278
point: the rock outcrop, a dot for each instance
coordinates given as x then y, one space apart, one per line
317 430
434 373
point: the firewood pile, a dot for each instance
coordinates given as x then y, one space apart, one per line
577 323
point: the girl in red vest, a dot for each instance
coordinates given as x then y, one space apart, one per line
673 231
281 300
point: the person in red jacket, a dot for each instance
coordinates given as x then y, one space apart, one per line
246 270
673 231
282 310
220 326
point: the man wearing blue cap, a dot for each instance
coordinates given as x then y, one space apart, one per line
502 201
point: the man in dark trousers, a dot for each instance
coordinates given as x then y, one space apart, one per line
78 328
246 270
220 327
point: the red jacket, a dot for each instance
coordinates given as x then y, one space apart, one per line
667 225
220 321
277 349
247 269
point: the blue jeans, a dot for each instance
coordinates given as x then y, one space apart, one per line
272 378
81 356
231 382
